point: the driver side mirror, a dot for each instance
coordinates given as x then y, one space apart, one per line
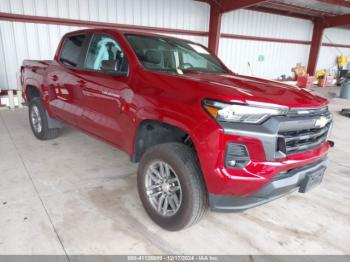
112 67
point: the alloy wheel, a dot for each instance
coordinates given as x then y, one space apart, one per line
163 188
36 119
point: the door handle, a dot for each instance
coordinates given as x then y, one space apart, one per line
81 83
54 78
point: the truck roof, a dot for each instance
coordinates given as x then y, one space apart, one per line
123 31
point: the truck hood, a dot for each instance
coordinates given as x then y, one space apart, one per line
238 88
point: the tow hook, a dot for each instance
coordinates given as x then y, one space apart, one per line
331 143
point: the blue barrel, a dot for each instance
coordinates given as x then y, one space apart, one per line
345 90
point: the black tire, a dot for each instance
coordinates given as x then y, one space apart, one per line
45 132
183 161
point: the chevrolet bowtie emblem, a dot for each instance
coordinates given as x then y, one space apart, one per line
321 122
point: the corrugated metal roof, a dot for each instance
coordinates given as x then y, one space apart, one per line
315 8
320 6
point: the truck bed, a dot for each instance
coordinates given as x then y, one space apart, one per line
36 63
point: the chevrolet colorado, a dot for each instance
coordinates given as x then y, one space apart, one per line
203 135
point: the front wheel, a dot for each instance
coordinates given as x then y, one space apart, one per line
171 186
39 121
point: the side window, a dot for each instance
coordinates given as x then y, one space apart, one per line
71 50
194 60
105 52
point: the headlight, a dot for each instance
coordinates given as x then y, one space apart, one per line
253 113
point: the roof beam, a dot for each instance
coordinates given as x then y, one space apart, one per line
339 20
281 12
229 5
217 8
336 2
315 47
298 9
214 28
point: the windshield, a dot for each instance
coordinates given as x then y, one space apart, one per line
172 55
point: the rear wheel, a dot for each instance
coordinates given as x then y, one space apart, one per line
39 121
171 186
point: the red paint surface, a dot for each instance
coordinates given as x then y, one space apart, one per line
297 9
265 39
340 20
283 12
112 108
315 46
335 45
229 5
337 2
214 29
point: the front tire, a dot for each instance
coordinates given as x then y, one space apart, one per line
39 121
171 186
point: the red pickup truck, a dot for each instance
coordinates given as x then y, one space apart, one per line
203 135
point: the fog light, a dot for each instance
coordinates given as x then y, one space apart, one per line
231 163
236 156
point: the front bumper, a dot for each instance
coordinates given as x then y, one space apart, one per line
241 188
280 185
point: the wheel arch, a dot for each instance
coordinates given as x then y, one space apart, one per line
152 132
32 91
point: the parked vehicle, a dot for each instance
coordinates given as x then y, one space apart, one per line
203 135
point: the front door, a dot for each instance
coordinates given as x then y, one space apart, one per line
105 93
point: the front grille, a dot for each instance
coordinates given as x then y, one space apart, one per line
301 140
297 112
316 123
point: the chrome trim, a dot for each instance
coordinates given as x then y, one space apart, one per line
306 136
307 111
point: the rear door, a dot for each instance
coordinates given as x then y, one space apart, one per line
63 78
106 95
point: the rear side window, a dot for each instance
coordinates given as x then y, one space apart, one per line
71 50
